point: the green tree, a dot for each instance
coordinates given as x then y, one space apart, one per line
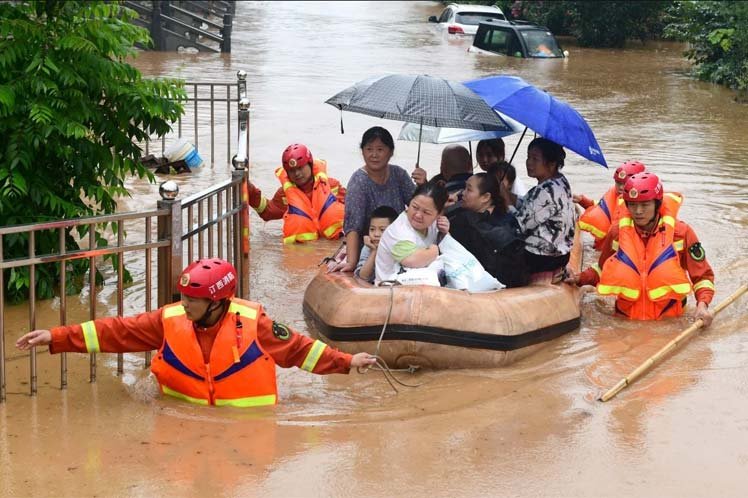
600 23
717 33
610 23
71 110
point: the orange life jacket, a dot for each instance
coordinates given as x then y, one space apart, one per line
647 280
598 218
306 220
240 373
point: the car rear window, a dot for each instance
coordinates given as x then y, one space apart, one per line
497 40
475 18
541 44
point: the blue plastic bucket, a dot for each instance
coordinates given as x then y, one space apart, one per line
193 159
183 150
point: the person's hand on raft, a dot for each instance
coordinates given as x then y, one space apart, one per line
572 277
703 313
343 266
360 360
419 175
40 337
442 224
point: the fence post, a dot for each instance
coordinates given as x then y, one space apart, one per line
226 32
241 165
241 78
157 33
169 228
2 327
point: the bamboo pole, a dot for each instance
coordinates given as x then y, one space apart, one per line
668 348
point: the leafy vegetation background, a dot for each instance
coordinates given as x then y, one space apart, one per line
71 110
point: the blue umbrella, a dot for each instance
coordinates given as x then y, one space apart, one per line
549 117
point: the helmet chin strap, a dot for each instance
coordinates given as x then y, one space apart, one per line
202 321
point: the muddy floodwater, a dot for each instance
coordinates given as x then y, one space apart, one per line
528 430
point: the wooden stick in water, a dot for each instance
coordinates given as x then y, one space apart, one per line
669 347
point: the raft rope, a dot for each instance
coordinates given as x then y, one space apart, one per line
381 365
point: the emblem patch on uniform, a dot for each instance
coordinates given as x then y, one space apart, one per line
633 193
292 162
184 281
622 175
697 251
281 331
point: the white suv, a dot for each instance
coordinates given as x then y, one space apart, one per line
464 19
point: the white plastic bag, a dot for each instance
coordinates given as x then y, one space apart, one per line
421 276
463 270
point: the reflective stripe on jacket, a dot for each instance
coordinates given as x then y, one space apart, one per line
307 220
649 276
240 373
598 218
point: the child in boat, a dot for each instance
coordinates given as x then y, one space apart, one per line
490 152
411 240
380 219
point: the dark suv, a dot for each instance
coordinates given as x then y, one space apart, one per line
516 39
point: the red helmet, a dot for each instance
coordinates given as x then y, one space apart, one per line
625 170
209 278
642 187
296 156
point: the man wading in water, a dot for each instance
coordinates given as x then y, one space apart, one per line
213 348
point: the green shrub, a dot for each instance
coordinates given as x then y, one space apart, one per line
71 110
717 33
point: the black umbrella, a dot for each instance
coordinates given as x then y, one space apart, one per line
420 99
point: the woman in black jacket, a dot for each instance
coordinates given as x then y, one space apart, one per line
484 228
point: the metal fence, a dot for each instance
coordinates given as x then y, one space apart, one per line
212 223
205 26
207 110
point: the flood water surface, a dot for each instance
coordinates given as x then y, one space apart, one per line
531 429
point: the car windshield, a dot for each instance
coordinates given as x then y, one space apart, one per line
475 18
541 44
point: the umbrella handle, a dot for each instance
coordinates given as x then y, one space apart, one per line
342 131
516 148
420 132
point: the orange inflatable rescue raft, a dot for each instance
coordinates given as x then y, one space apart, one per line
436 327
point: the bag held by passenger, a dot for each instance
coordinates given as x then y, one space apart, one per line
463 270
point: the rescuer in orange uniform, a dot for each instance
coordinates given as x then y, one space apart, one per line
310 203
651 260
213 348
599 216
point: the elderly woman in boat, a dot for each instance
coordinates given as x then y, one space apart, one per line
412 240
546 215
377 183
483 226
